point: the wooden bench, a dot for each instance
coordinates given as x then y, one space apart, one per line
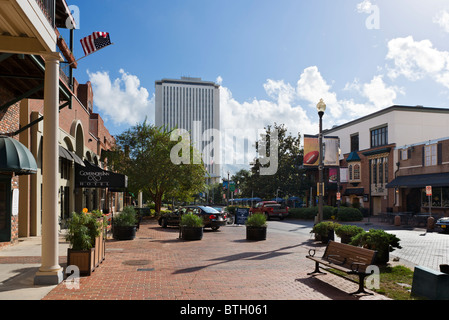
346 258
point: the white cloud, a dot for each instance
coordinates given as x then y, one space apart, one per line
285 106
364 7
442 19
312 87
379 94
417 59
123 100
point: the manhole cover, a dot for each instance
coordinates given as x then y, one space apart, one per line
145 269
136 262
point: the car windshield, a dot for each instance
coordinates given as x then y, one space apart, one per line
209 209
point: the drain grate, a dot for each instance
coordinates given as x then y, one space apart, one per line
136 262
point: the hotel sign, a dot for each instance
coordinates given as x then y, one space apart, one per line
91 176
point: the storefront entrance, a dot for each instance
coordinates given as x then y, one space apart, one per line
5 208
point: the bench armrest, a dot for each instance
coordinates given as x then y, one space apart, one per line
356 265
312 252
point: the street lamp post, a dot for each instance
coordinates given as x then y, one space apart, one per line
321 107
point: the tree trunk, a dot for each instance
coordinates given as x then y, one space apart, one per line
158 202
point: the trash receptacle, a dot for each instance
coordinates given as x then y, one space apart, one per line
397 221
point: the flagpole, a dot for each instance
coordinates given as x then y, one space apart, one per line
87 55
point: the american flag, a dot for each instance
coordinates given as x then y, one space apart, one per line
95 41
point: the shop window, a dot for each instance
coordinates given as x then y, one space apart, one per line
430 155
440 197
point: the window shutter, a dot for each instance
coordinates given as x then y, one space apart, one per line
440 154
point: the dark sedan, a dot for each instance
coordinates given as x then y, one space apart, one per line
212 218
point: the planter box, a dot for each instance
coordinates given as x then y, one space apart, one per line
83 259
99 249
124 233
191 233
256 233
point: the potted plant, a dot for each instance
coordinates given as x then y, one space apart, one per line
83 228
346 232
124 225
325 230
191 227
379 240
256 227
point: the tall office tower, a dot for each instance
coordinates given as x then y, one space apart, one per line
193 105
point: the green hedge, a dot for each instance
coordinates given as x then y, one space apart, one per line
345 213
310 213
348 214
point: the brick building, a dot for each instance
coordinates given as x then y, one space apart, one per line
420 165
371 152
33 85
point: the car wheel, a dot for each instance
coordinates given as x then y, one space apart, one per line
215 228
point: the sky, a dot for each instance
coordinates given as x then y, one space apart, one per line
273 59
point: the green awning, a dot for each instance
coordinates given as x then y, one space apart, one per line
15 157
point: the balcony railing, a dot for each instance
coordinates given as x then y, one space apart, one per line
48 7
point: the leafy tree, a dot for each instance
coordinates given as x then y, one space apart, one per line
289 177
143 153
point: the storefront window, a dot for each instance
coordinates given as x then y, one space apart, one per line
440 197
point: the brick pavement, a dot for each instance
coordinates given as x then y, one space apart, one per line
223 266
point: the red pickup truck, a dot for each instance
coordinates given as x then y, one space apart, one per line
270 209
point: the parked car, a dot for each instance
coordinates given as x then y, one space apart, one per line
211 217
229 217
443 223
270 209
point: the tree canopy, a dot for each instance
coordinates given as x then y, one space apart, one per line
143 153
288 179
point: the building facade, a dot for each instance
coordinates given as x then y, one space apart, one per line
45 110
422 164
193 105
369 151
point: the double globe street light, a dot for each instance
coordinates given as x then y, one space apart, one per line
321 107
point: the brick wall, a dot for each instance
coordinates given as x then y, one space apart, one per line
9 122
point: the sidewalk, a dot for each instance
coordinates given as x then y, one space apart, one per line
18 266
222 266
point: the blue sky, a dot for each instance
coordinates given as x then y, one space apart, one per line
274 59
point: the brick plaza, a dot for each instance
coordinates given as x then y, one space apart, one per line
222 266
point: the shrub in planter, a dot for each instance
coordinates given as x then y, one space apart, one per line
124 225
325 230
191 227
82 231
349 214
379 240
346 232
256 227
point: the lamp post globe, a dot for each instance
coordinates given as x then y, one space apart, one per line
321 106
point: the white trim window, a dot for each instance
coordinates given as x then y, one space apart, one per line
430 155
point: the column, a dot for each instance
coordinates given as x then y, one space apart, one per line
50 272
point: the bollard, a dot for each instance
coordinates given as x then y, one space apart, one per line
430 223
397 221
